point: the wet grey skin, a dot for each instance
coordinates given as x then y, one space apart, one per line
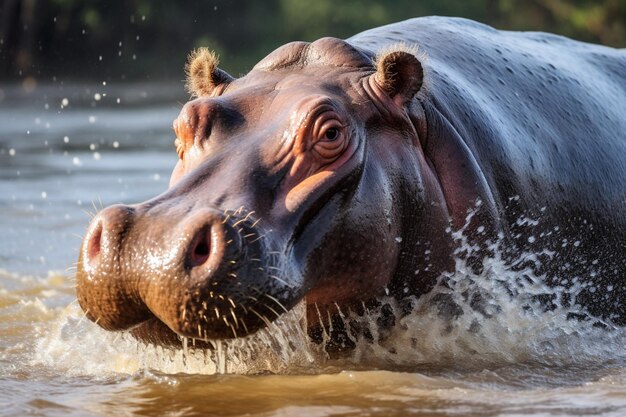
336 170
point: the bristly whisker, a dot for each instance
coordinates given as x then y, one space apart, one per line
277 302
272 310
232 313
257 239
281 281
233 330
263 318
88 213
243 323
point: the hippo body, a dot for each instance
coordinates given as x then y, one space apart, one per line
544 119
342 170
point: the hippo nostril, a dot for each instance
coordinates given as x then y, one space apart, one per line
201 252
201 248
94 244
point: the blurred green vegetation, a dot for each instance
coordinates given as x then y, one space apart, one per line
147 39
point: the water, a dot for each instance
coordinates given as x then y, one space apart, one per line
61 160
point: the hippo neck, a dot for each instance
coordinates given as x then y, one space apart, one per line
457 194
460 176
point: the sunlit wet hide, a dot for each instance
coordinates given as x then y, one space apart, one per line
342 171
465 257
521 361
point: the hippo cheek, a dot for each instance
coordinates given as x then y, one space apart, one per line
357 267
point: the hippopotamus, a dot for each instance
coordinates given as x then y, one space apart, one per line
338 171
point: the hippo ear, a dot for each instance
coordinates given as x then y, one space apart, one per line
203 75
399 74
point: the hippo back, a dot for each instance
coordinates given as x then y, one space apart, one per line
541 99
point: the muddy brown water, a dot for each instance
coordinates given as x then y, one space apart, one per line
60 159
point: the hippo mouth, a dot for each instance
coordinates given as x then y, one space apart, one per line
154 331
221 276
292 324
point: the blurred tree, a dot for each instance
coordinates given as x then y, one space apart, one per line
139 39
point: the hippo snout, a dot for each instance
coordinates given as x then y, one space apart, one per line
107 298
205 273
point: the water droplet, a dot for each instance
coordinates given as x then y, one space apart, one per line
398 239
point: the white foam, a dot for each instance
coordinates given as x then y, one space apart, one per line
76 346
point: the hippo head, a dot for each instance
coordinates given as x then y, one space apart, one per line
302 179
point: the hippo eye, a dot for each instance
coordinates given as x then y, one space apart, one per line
331 134
332 140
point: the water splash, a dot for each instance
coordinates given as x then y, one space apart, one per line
476 319
76 346
470 319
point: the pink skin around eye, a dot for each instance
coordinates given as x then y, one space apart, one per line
299 190
318 162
